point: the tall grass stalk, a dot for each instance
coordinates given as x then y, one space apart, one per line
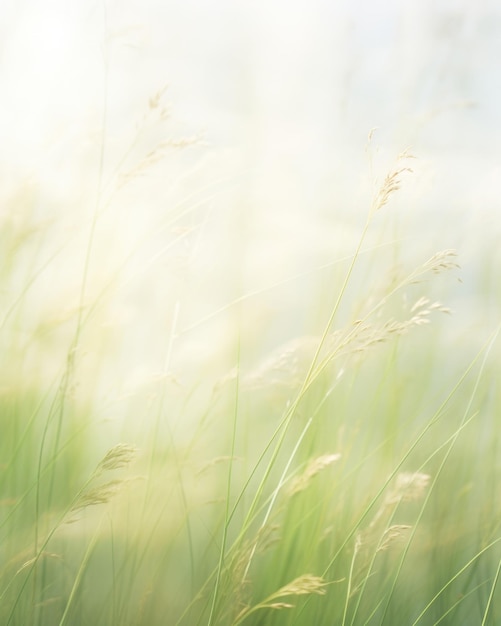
486 350
227 518
491 594
316 525
473 560
436 416
390 185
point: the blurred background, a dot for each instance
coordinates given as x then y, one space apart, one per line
183 187
216 155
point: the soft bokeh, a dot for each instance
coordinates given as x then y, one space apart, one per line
184 186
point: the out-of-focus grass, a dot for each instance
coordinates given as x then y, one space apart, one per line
348 476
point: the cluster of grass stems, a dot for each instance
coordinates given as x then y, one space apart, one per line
350 477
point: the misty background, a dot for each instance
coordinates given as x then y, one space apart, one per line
259 114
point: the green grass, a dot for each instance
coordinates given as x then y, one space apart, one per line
350 477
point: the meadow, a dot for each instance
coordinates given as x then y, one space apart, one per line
322 449
249 375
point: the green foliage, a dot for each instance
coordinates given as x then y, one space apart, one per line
349 477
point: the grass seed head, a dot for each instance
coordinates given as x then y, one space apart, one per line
117 457
409 487
284 367
303 585
300 483
391 183
392 534
97 495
